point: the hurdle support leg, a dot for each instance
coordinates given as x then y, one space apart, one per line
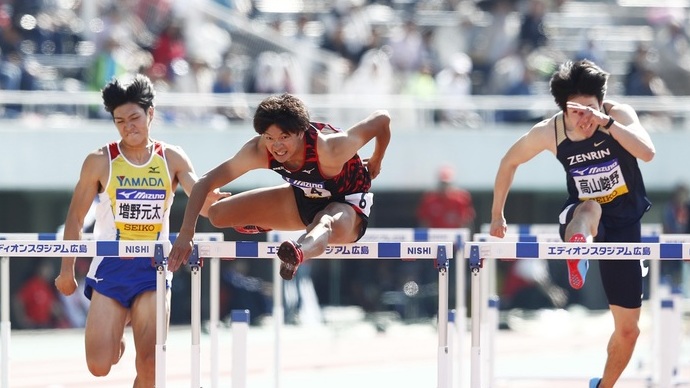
475 352
240 330
195 266
5 323
161 263
444 355
214 318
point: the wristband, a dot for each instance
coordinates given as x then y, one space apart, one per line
610 123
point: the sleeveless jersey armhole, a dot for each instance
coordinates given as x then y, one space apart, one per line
559 124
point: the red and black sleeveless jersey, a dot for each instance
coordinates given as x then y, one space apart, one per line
353 178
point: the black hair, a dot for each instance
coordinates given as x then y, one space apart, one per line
286 111
139 91
582 77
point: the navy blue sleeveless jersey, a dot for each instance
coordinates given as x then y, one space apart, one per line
600 169
353 178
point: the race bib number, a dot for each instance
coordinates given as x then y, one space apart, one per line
139 210
602 183
310 189
362 201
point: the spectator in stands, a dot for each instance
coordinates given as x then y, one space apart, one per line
641 79
448 206
169 46
36 304
106 66
591 51
406 46
532 29
492 42
454 81
225 84
672 42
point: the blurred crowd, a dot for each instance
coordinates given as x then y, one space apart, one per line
422 48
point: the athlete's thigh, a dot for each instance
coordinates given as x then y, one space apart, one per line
105 325
143 315
346 222
269 207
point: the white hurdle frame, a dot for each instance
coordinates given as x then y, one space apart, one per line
488 290
45 240
458 235
475 252
440 251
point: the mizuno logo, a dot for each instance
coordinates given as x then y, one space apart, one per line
579 172
154 170
98 279
308 171
597 144
127 194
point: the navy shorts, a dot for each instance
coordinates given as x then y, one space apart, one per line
308 208
621 279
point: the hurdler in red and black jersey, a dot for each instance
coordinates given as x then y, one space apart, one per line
354 177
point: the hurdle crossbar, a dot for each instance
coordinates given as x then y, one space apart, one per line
158 251
50 245
476 251
457 235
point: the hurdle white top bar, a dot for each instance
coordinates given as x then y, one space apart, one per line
555 250
222 249
370 250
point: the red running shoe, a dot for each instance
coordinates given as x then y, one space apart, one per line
251 229
291 256
577 269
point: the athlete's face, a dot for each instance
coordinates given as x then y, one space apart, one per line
284 146
579 115
133 123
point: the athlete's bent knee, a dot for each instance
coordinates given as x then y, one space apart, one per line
629 333
99 368
215 216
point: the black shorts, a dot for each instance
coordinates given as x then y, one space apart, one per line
308 208
621 279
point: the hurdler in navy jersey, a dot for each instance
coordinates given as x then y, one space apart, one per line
600 169
327 195
598 142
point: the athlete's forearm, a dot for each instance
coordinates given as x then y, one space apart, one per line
194 205
504 179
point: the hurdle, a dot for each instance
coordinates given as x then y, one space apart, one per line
458 235
488 298
439 251
48 245
476 251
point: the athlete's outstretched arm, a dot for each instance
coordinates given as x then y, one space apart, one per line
250 157
340 147
183 172
541 137
94 167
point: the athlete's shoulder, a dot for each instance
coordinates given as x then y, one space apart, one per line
324 128
547 122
